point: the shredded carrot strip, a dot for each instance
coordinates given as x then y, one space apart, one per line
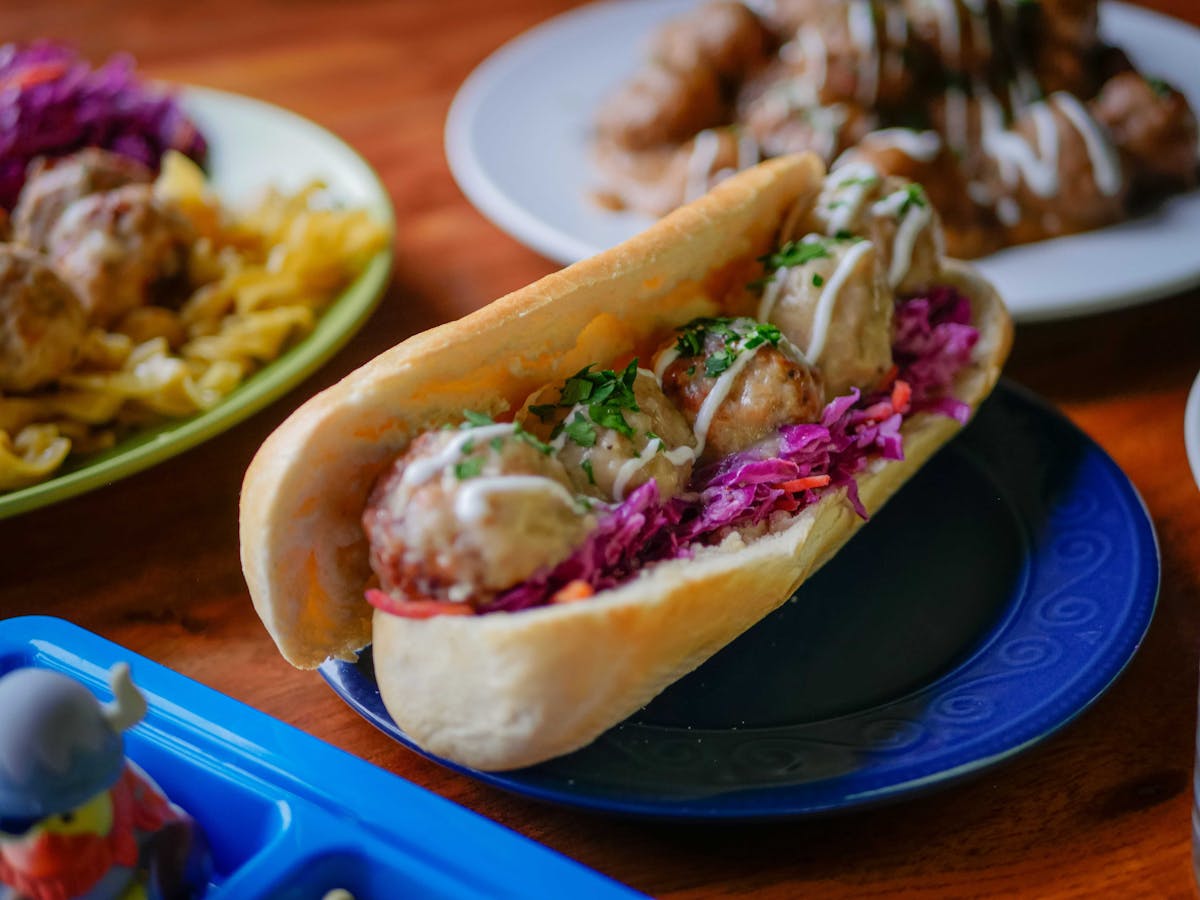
416 609
901 396
879 411
32 75
575 590
804 484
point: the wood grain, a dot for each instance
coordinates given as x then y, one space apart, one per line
1102 809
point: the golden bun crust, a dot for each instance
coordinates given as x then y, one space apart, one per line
503 691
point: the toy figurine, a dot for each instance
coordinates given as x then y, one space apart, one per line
78 821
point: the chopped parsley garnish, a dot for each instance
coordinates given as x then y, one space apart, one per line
521 434
586 465
468 446
1160 87
608 416
604 393
580 430
843 235
794 253
718 362
476 419
762 333
858 180
817 280
602 387
736 335
690 343
496 443
468 468
915 196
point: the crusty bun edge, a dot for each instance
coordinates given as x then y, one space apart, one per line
303 551
504 691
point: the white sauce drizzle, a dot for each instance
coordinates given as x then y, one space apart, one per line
1016 103
771 294
850 185
1008 211
705 148
631 467
895 24
981 39
922 146
824 313
748 153
979 192
421 470
826 120
720 390
470 504
991 113
815 54
916 217
949 31
1017 159
805 52
1106 170
861 21
665 359
956 119
1028 85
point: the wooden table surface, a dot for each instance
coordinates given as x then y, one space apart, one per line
151 562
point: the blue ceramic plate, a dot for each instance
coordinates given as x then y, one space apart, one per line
992 601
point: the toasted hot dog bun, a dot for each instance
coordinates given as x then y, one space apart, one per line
502 691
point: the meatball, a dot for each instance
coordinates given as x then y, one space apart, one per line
120 250
855 53
659 180
961 35
722 36
54 184
893 214
781 118
1074 23
737 381
467 513
42 321
922 157
1055 172
829 298
661 106
1154 128
615 432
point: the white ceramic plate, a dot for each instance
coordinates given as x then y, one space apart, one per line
251 146
1191 429
517 139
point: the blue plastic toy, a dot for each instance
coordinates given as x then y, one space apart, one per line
286 816
77 819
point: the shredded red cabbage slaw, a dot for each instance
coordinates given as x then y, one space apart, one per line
933 341
53 103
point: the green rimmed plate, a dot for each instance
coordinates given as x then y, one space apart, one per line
251 145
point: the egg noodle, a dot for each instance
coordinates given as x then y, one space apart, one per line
259 280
